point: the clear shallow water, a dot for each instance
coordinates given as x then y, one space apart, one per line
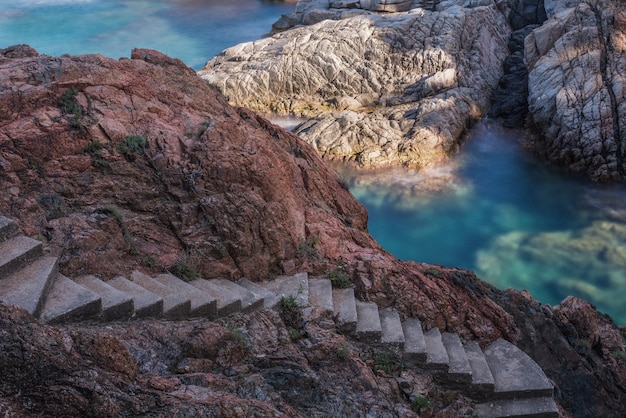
514 221
496 210
192 30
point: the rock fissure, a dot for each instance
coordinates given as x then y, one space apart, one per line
605 52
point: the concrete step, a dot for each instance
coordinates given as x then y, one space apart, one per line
69 301
29 287
202 304
8 229
226 302
321 293
516 375
368 327
270 298
543 407
436 354
392 334
249 301
482 379
459 370
414 342
115 303
344 304
17 252
174 306
296 286
146 303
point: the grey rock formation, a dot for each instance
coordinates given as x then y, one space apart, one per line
577 75
380 88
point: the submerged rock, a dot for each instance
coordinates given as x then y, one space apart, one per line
398 88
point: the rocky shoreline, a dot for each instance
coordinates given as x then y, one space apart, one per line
402 88
137 163
232 195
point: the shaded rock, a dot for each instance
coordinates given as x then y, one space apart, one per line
576 63
399 88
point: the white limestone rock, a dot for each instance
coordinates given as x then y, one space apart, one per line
379 88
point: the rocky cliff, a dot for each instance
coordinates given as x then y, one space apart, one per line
397 88
138 163
577 67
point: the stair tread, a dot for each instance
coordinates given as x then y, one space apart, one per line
437 356
17 250
249 301
457 359
321 293
146 303
296 286
115 303
344 305
8 228
481 374
68 300
269 297
368 326
544 407
202 303
391 327
227 302
174 306
29 286
414 344
515 373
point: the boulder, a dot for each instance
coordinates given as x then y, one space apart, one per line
399 88
577 67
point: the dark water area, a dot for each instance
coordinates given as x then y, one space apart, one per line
496 209
192 30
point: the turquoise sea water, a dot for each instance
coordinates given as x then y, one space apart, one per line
496 210
192 30
499 211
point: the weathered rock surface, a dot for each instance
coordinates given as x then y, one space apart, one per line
140 162
240 197
577 75
399 88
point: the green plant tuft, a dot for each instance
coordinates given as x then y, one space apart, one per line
433 272
185 269
385 362
619 355
419 403
132 145
339 277
308 248
291 315
68 103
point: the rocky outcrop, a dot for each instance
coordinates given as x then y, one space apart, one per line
138 163
577 62
399 88
121 163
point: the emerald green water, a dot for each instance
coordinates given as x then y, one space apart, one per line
516 222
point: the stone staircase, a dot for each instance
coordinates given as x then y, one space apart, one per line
502 378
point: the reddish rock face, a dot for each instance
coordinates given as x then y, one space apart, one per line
117 164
